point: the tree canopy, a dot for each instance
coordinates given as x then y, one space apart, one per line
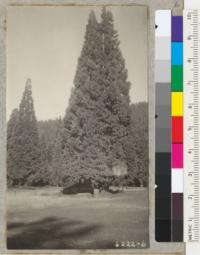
97 120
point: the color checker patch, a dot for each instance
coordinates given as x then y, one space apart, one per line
177 155
177 78
177 103
177 129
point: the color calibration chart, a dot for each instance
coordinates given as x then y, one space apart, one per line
169 127
177 126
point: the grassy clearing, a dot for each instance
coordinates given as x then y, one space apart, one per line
46 219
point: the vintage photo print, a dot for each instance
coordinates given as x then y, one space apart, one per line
77 127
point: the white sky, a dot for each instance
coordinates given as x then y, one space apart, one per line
44 43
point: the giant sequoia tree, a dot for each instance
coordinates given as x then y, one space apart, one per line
80 135
23 142
97 121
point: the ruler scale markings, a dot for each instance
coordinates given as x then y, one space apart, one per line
191 182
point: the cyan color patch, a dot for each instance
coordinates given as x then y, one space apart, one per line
177 53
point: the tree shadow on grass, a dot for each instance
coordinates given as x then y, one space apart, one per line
55 233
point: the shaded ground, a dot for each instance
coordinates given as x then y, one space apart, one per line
42 220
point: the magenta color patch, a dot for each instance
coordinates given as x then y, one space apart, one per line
177 155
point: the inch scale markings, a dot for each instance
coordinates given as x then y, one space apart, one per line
191 126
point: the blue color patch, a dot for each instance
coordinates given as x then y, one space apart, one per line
177 53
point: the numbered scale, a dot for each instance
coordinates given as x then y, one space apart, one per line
191 125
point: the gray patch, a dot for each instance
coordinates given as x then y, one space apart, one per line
163 118
163 43
163 140
163 70
163 94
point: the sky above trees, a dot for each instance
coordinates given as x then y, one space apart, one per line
47 44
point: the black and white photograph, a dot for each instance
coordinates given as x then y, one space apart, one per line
77 127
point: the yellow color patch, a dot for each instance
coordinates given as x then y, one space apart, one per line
177 103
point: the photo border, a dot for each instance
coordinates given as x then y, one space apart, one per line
154 247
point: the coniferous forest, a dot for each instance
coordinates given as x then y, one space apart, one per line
103 136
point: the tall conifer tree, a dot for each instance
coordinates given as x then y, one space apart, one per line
96 124
26 141
82 152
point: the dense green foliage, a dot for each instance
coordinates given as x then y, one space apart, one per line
101 136
12 146
138 174
97 121
51 134
23 142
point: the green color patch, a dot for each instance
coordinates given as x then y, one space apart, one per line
177 78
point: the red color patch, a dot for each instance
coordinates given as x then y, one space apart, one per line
177 129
